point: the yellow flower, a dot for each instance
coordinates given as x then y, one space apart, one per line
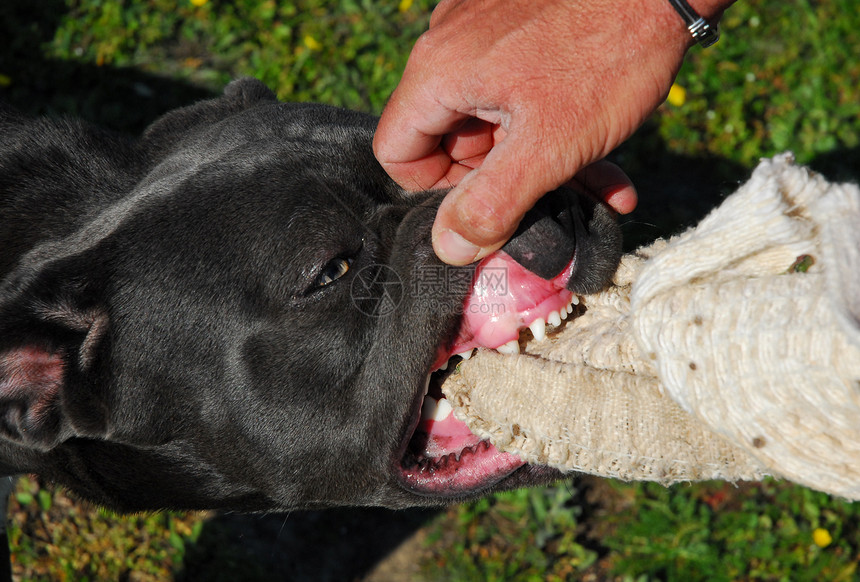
312 43
199 3
822 537
677 95
404 5
5 80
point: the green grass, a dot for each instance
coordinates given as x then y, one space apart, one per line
785 76
530 534
304 50
713 532
602 529
53 537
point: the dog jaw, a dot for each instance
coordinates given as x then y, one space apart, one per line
442 457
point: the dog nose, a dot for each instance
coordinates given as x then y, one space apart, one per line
545 241
568 227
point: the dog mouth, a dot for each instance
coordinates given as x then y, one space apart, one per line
443 458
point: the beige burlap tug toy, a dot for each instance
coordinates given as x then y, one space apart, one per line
729 352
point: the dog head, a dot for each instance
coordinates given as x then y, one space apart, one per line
241 310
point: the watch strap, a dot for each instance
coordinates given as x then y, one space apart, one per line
702 31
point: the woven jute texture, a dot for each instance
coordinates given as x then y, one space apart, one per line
729 352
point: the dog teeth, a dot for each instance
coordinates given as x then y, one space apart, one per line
510 348
436 410
443 409
538 327
428 410
444 366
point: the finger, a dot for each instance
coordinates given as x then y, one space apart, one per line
408 138
471 143
479 216
608 182
454 175
434 170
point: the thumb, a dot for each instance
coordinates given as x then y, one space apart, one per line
483 211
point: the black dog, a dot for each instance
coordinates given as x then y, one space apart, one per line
236 311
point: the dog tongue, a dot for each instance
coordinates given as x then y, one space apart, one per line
505 298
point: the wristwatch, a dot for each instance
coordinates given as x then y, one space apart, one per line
703 31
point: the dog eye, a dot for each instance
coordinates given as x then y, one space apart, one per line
333 271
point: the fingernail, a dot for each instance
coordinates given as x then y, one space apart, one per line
621 201
454 249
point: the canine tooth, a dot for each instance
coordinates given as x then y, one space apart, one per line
444 366
465 355
427 384
430 408
538 327
553 318
510 348
443 409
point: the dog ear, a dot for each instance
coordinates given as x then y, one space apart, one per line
49 350
170 128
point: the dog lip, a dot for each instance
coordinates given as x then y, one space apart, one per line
507 298
472 470
442 457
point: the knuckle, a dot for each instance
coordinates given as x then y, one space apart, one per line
425 47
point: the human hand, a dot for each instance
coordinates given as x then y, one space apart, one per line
508 99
